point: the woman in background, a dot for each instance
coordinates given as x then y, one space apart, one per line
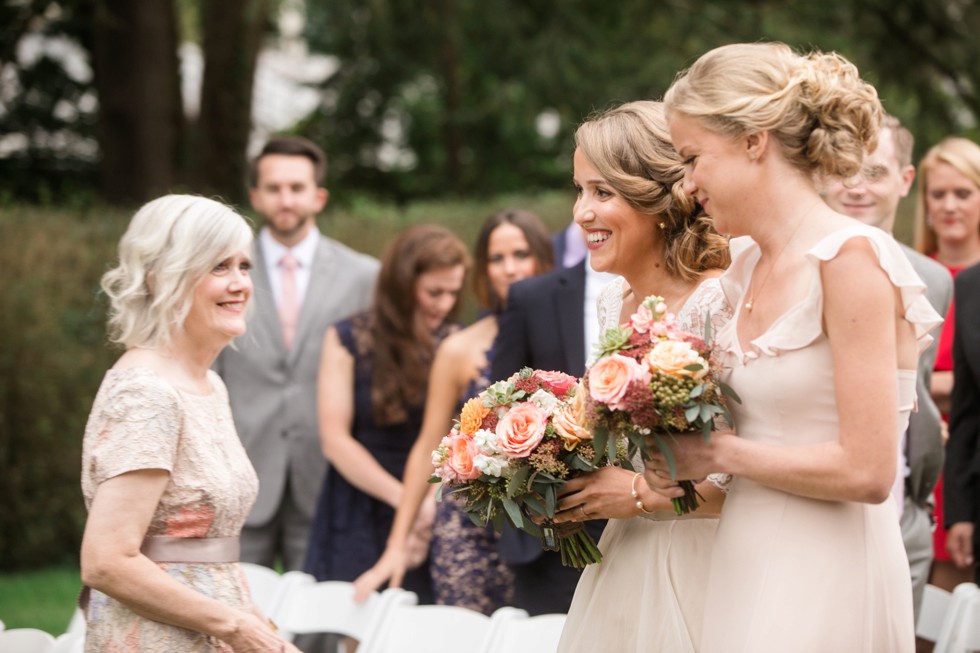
166 480
467 571
948 229
372 388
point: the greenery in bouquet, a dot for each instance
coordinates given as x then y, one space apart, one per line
513 448
651 380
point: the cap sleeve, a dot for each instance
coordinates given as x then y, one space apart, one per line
135 424
918 311
803 323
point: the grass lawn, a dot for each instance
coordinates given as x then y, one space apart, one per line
43 598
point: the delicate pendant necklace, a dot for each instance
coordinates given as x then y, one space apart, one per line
750 301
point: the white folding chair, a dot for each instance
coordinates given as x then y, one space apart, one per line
25 640
406 627
77 624
69 643
932 612
517 633
264 585
961 628
326 607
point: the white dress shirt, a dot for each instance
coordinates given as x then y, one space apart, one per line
303 252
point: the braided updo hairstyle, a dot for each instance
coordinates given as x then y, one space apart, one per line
822 114
630 147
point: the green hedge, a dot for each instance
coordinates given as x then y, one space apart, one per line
53 349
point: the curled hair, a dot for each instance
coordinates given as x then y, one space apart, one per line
170 245
963 155
403 345
538 240
822 114
630 147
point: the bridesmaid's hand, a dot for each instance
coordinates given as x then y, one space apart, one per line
390 568
605 494
694 459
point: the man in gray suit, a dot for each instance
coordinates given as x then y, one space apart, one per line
873 199
303 283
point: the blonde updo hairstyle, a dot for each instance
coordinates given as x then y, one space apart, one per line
821 113
170 245
963 155
630 147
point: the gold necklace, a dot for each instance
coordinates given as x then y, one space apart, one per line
751 295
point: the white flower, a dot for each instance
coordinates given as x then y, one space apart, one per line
545 401
490 465
486 441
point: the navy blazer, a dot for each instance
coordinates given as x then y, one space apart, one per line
543 327
962 470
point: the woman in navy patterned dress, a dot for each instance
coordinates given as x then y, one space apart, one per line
466 568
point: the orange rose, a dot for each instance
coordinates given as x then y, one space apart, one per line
463 451
672 357
521 430
471 417
570 421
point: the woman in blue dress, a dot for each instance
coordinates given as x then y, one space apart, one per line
466 569
371 393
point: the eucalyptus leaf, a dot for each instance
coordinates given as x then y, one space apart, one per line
516 481
513 511
664 447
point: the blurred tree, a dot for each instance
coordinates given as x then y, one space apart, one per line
232 32
462 96
134 57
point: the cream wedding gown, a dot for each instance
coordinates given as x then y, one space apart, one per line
647 594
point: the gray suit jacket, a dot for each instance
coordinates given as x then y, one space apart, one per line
273 392
924 442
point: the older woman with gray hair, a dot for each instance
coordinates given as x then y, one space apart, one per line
166 481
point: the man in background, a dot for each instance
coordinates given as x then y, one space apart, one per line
303 282
873 198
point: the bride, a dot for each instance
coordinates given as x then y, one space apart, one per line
647 593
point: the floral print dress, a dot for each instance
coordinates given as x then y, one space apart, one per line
139 420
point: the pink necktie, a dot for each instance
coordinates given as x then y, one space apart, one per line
289 299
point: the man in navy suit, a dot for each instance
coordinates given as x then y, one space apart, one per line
962 471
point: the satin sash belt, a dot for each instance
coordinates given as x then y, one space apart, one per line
192 549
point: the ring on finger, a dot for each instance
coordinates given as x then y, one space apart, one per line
585 514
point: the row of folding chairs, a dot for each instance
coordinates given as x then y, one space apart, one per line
387 622
392 621
951 619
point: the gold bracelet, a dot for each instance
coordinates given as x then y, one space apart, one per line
636 495
272 625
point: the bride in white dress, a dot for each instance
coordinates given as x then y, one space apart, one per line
647 593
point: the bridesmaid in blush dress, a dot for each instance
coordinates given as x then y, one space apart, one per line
808 555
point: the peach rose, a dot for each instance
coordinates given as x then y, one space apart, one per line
557 382
672 356
570 421
462 452
471 417
521 430
611 376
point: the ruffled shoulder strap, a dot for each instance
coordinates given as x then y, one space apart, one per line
918 311
610 303
802 324
745 254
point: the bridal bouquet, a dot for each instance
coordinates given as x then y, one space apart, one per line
650 380
514 446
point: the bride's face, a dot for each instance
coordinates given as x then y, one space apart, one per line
620 238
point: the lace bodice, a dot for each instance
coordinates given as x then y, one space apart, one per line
706 300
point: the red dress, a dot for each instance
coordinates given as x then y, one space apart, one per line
944 363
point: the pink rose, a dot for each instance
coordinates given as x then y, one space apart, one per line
642 319
557 382
462 452
611 376
521 430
